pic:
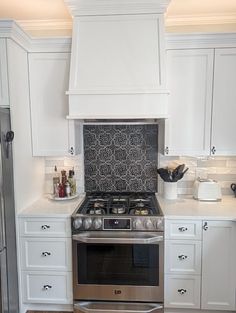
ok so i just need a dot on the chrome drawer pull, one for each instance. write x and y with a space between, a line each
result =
47 287
182 229
43 227
182 291
46 253
182 257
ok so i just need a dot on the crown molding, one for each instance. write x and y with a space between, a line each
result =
207 19
10 29
105 7
200 40
56 24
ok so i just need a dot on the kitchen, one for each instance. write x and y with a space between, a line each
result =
195 130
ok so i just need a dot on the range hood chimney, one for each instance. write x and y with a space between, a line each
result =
118 59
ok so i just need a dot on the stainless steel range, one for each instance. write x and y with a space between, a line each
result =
118 253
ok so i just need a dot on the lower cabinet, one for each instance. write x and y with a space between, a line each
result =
46 261
219 265
200 274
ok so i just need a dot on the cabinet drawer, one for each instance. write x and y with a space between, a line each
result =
183 257
45 287
46 254
176 229
45 227
182 291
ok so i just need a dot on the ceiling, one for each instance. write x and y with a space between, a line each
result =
51 17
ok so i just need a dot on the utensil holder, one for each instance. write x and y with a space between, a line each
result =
170 190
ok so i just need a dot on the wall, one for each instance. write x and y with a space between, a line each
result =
222 169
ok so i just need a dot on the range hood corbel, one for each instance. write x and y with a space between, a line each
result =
118 59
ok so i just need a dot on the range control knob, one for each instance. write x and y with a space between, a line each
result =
87 223
77 223
137 224
148 224
159 224
97 223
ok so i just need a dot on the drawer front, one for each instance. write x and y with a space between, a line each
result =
46 254
46 287
183 257
182 291
176 229
45 227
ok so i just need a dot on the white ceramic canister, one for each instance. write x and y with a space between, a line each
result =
170 190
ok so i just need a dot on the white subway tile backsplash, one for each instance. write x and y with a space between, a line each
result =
222 169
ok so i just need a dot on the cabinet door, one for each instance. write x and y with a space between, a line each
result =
4 96
224 103
189 80
218 266
49 77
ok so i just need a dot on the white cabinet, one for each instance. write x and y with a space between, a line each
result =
49 79
4 93
189 80
46 261
218 265
224 103
182 263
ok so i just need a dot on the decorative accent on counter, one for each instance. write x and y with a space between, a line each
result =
63 187
170 177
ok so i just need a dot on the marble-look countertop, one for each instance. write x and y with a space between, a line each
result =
185 207
51 208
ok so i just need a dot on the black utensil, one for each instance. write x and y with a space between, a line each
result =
233 187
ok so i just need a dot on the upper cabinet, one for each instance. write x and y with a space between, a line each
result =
49 78
202 106
4 93
189 79
224 103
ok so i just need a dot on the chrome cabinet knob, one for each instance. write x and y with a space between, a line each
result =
213 150
44 227
47 287
182 291
205 226
46 253
71 151
182 257
182 229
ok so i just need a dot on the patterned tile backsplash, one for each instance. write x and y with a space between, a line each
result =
120 157
222 169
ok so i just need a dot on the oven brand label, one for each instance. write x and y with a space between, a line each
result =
117 291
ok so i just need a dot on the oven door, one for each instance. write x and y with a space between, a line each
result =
120 266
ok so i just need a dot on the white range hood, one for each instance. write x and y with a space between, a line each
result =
118 59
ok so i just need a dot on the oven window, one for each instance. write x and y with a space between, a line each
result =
119 264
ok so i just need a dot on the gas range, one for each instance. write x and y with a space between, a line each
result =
118 211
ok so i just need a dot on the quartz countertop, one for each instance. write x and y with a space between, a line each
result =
185 207
46 207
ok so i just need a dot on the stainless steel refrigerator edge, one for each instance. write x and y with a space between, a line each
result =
8 257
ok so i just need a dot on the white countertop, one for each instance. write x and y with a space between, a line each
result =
51 208
188 208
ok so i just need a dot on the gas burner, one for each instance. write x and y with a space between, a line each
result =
96 211
141 211
98 205
140 200
118 210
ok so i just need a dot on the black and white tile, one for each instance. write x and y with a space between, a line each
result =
120 157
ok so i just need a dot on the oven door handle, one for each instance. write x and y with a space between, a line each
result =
117 307
119 238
